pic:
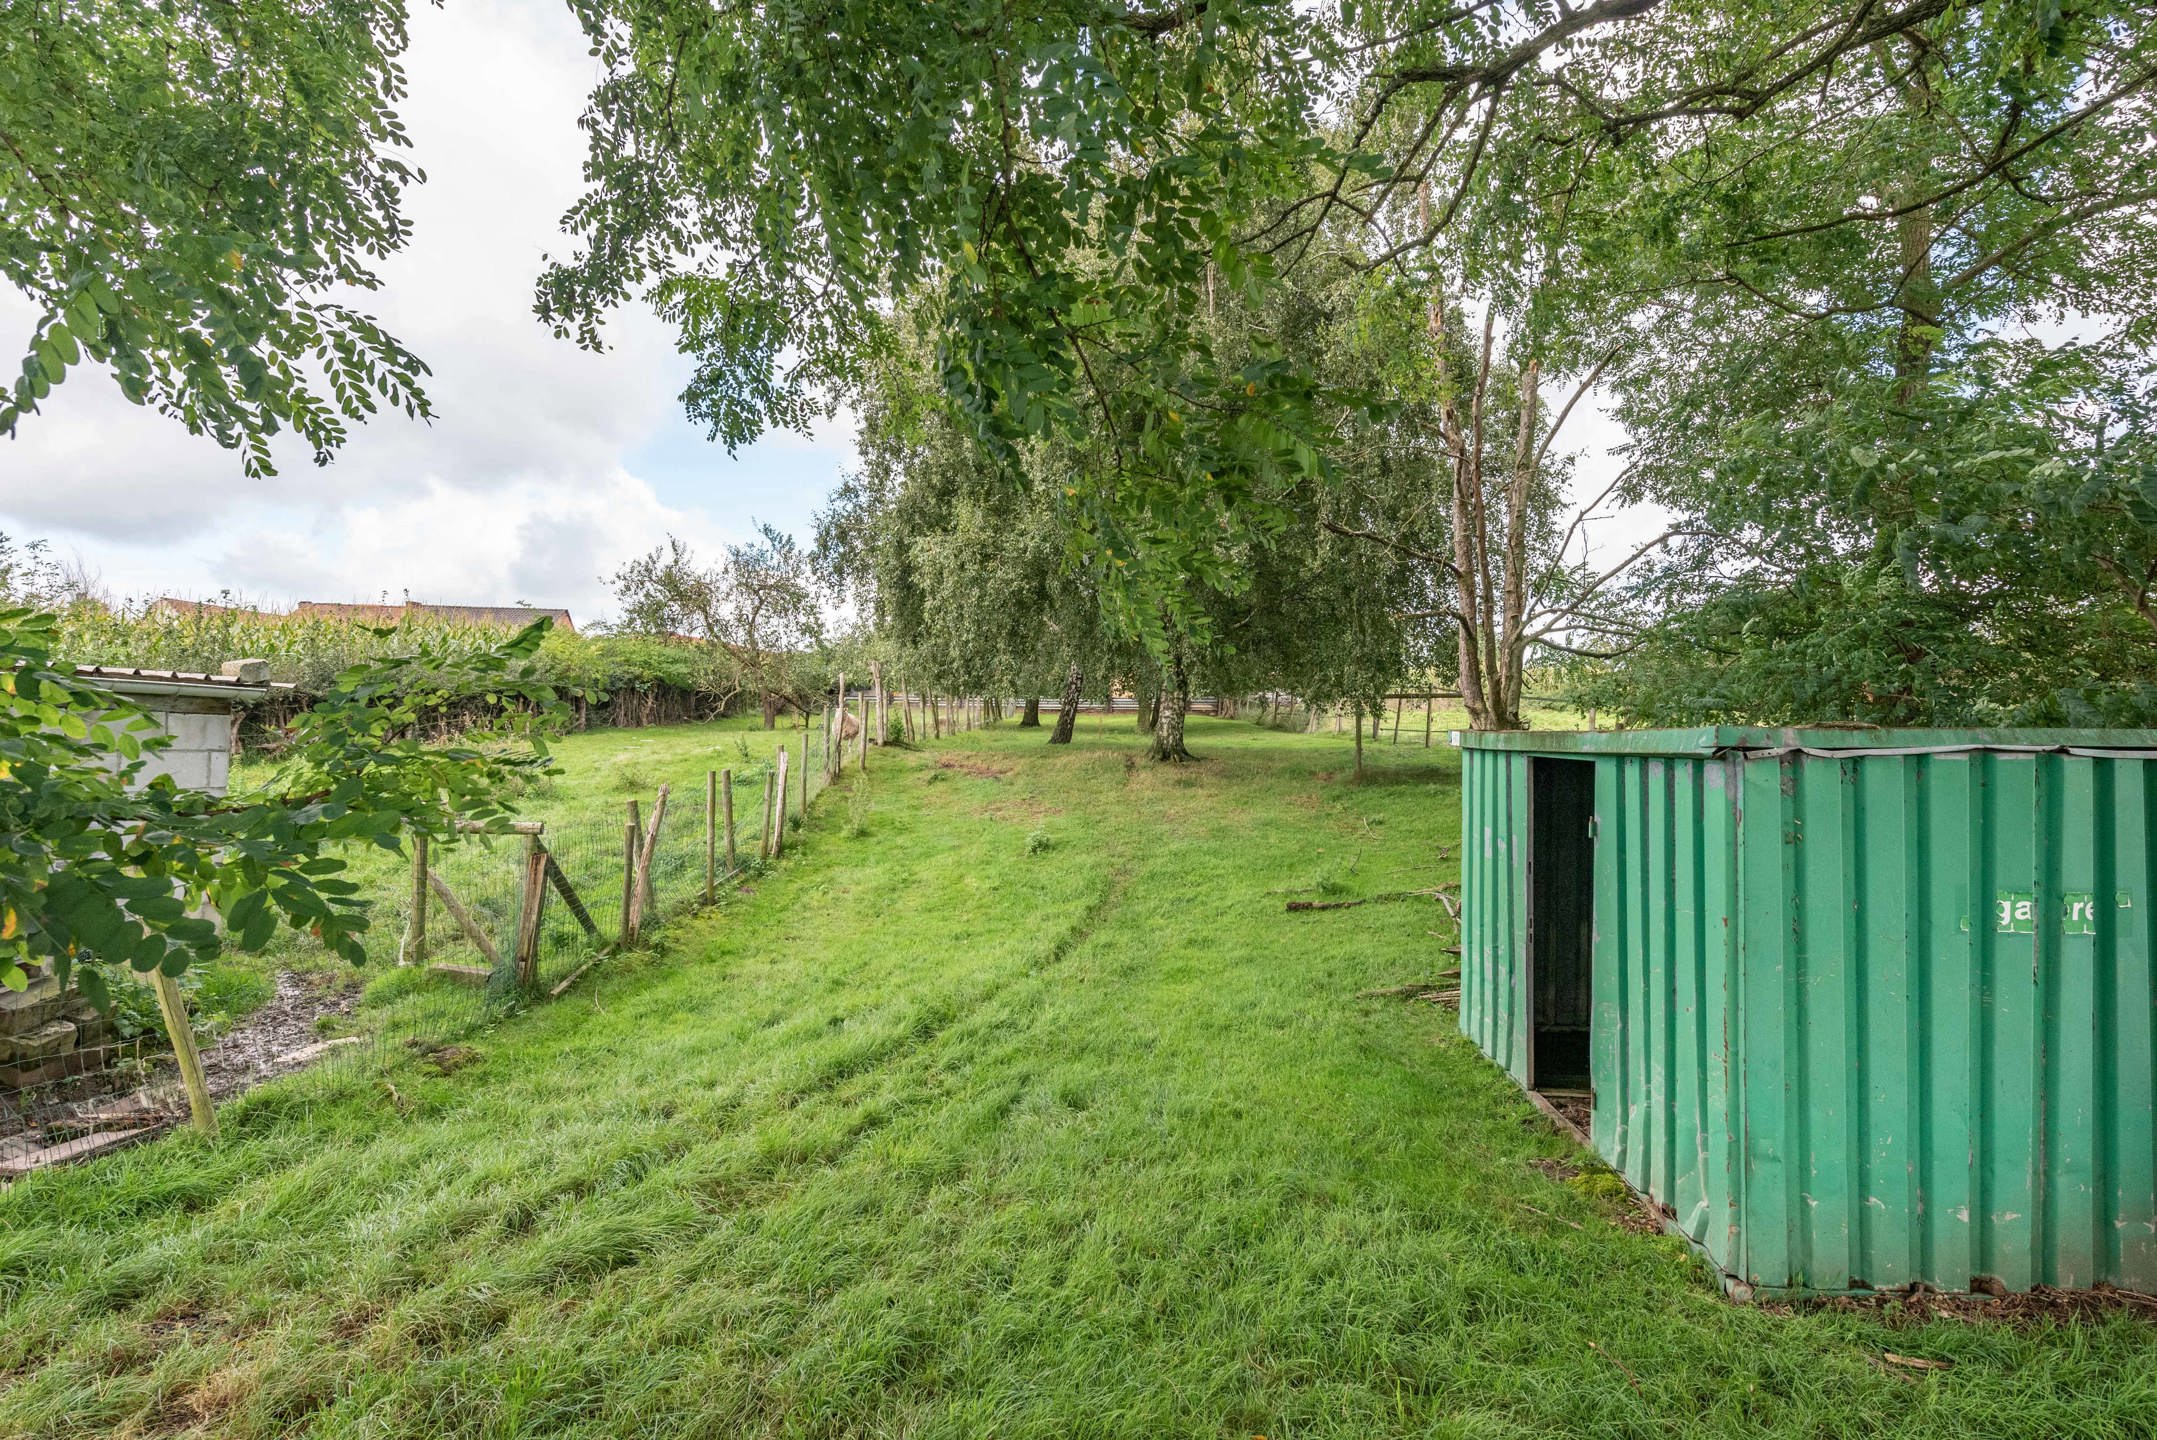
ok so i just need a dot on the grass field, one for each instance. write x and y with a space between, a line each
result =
1012 1104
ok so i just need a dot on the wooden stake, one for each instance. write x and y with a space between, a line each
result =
1429 704
876 683
804 778
629 879
863 757
569 895
778 824
711 835
201 1114
763 841
532 906
415 930
471 927
644 860
726 810
1398 701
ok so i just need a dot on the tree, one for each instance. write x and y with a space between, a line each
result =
185 190
1063 183
759 603
965 568
1897 377
99 875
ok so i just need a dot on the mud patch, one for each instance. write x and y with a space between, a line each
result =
280 1037
2025 1310
143 1092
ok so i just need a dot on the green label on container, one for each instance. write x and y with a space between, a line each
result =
2014 912
2078 913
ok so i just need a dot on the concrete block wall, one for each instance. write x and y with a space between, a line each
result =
200 757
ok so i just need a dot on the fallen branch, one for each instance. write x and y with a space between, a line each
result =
1548 1216
1630 1378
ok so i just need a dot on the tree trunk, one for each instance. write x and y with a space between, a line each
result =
771 711
1169 707
1067 713
1030 718
1359 739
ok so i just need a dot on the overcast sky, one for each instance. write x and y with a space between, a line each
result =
546 466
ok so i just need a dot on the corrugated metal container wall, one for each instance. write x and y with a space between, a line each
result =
1660 1056
1947 999
1494 909
1860 1019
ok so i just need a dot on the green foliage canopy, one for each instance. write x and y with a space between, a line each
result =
186 187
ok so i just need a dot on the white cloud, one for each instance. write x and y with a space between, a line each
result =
544 543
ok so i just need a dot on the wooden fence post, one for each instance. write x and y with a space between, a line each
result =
863 757
876 687
838 727
763 841
629 879
726 809
778 781
415 932
644 860
711 836
201 1114
805 776
1398 702
531 907
1429 704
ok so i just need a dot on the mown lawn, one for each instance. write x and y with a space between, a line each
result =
1025 1111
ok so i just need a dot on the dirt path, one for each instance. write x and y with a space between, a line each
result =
276 1039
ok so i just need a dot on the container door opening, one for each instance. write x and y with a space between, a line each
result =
1561 924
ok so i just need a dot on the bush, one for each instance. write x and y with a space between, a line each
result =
1038 842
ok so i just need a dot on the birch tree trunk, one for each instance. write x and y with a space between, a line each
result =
1169 708
1067 713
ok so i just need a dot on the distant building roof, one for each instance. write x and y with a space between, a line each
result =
171 606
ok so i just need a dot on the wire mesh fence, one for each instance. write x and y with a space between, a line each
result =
460 932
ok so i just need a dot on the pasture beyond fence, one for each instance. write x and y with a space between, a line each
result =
462 932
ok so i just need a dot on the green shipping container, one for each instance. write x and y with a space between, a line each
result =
1857 1008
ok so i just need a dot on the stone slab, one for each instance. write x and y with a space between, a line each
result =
26 1010
49 1041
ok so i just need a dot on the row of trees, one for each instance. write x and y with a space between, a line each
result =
1227 341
